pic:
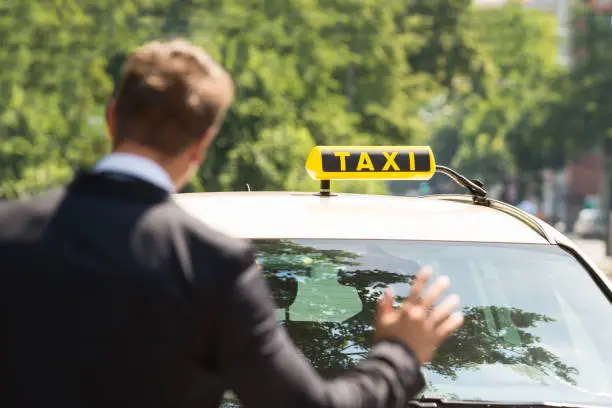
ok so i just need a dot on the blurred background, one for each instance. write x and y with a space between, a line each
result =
515 93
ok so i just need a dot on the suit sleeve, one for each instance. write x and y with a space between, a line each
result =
262 366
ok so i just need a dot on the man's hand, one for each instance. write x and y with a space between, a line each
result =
416 323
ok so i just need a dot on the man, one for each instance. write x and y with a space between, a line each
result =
114 297
529 205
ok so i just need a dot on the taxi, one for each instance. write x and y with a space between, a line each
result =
538 312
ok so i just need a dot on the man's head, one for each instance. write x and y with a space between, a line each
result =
169 104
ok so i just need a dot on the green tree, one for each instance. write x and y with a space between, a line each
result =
52 83
340 70
582 118
288 95
489 134
450 50
337 72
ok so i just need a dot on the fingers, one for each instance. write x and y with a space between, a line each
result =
385 303
419 284
433 294
443 311
448 326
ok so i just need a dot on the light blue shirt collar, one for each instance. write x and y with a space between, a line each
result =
136 166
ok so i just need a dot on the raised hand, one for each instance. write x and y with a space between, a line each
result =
416 322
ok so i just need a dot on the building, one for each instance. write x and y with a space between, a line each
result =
582 178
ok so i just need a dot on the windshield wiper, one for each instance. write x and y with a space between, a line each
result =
435 402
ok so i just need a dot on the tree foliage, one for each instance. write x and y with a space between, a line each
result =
307 73
582 117
481 85
490 134
54 58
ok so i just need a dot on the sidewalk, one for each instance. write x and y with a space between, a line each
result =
596 250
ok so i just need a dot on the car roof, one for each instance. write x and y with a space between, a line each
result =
269 215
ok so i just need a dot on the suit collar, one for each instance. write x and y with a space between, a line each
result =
119 186
135 166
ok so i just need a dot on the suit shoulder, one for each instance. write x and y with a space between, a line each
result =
28 216
36 204
213 243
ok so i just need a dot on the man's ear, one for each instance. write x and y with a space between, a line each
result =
110 117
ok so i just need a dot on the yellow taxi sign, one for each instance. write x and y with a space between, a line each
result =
371 162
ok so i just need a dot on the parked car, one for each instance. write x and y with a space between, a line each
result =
590 224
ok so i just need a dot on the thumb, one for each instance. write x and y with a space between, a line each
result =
385 304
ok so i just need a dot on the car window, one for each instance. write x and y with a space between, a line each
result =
537 326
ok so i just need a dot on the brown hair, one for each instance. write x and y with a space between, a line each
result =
170 93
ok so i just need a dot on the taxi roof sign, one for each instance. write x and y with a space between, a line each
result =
371 163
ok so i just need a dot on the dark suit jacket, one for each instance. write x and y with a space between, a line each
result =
112 296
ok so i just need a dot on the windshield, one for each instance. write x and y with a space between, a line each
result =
537 326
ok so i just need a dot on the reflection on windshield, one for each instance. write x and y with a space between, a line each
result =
537 327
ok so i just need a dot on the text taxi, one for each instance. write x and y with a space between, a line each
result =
538 312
